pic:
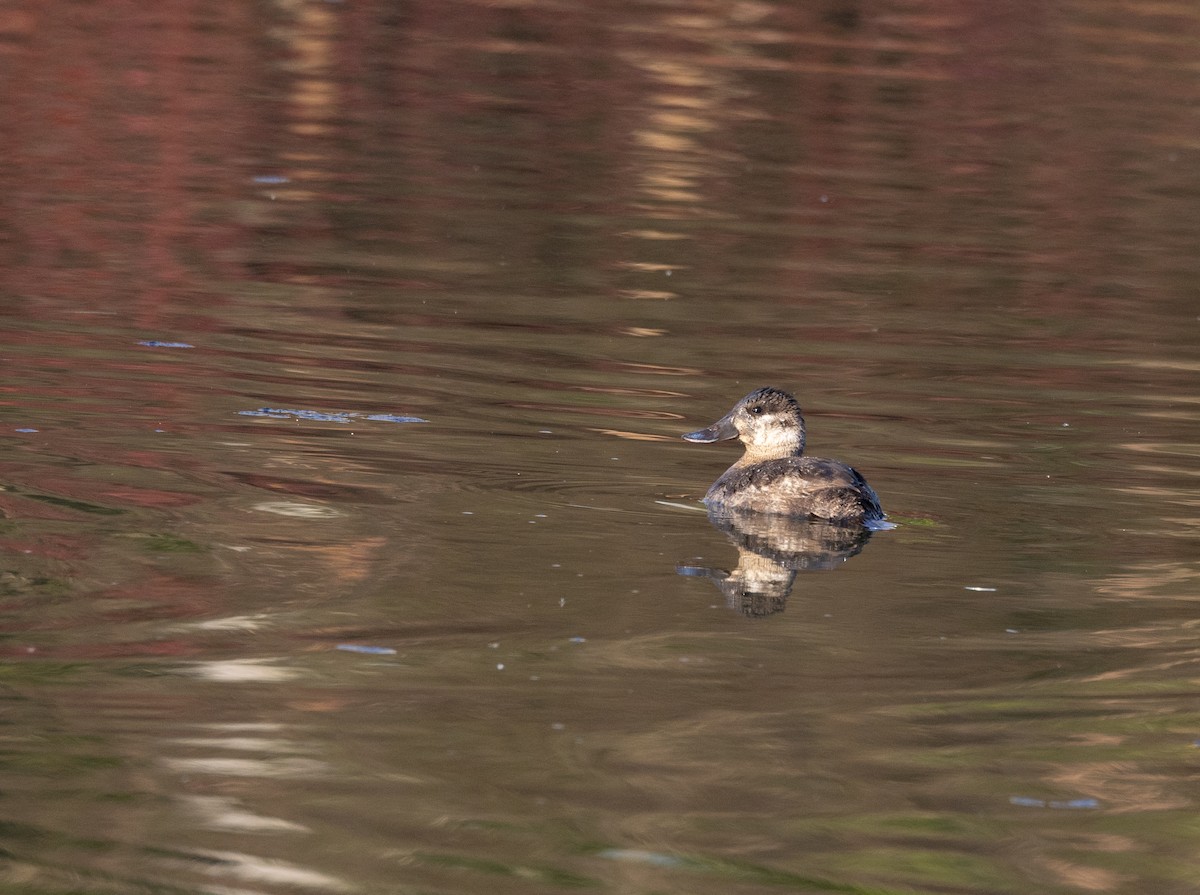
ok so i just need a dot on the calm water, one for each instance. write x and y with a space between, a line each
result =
504 650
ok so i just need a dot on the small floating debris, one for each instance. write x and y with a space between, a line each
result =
320 416
986 590
364 648
155 343
1060 805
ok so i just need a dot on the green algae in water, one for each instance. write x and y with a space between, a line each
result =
163 543
78 505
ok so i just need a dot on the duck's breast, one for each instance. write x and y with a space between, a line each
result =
797 486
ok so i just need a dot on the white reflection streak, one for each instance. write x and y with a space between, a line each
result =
247 767
218 813
251 869
259 671
296 510
242 726
242 744
232 623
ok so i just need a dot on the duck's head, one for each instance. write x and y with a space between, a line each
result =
768 422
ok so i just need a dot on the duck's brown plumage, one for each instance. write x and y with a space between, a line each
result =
774 476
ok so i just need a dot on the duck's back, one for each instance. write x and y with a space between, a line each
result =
797 486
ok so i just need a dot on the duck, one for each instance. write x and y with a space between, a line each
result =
774 476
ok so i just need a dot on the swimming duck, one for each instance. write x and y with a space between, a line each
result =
774 476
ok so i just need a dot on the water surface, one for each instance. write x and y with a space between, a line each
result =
333 649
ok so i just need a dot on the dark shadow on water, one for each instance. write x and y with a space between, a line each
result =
771 550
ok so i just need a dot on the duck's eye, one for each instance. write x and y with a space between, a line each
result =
756 409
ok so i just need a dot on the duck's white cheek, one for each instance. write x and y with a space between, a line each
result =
775 435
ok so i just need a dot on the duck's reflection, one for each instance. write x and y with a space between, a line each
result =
771 549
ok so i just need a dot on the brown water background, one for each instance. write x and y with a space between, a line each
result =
319 652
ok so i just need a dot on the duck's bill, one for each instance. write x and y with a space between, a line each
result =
721 430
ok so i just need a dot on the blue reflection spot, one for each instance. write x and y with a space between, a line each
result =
393 418
314 415
1027 802
264 412
26 430
333 417
1059 805
641 856
369 650
154 343
272 179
